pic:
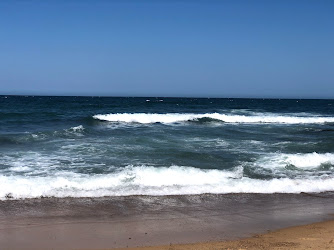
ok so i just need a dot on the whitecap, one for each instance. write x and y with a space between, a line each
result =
148 180
302 161
169 118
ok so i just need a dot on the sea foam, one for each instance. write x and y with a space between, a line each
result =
228 118
301 161
148 180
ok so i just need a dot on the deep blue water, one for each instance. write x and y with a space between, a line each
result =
97 146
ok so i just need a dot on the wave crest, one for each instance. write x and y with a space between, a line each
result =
300 161
146 180
168 118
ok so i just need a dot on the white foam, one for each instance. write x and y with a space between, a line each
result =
310 160
77 128
228 118
145 180
34 164
20 169
147 118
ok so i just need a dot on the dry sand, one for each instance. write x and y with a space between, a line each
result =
312 236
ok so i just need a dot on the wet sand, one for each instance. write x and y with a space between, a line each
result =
119 222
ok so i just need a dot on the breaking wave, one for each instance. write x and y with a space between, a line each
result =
168 118
301 161
148 180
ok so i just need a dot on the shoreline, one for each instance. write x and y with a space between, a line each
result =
141 221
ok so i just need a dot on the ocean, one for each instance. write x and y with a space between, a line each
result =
108 146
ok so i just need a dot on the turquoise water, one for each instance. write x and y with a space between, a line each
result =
100 146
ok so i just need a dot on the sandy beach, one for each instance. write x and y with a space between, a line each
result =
313 236
141 221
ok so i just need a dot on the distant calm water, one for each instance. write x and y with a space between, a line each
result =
97 146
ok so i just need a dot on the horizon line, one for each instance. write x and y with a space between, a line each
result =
183 97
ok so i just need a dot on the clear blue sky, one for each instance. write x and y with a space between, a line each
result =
282 48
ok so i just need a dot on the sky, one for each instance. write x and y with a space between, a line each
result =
212 48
